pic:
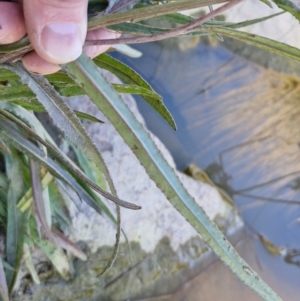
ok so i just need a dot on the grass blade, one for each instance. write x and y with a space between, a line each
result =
38 201
15 219
289 6
178 18
252 22
137 28
87 117
3 283
145 93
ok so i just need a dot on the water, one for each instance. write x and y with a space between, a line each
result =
239 122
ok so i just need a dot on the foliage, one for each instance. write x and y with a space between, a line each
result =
32 207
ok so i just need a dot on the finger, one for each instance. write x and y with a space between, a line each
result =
12 24
99 34
56 28
34 63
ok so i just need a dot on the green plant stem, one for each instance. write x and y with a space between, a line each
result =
168 34
143 13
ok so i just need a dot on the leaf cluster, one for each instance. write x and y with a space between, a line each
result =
36 171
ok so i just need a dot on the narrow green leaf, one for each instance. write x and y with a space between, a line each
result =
73 90
86 74
21 92
59 77
129 76
39 108
15 219
178 18
267 2
68 90
29 106
88 117
21 44
289 6
137 28
250 22
39 207
125 73
7 75
137 90
261 42
3 283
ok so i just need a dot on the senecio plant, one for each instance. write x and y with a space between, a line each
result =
35 169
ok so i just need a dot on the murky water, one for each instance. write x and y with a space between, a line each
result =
240 123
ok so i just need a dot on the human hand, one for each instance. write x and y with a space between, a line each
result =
57 30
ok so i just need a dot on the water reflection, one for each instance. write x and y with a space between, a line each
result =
239 123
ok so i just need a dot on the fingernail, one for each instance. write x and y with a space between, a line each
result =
62 42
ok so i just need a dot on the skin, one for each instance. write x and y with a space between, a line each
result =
57 30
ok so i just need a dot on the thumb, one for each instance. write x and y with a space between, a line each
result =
56 28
